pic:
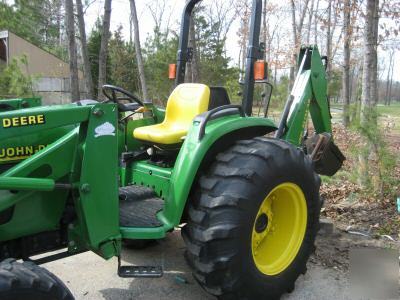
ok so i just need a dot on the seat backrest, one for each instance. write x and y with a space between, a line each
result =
186 102
219 97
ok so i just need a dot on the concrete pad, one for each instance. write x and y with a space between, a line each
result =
89 277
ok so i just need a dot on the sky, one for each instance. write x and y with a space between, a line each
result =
121 12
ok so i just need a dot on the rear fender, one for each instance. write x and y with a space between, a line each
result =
197 153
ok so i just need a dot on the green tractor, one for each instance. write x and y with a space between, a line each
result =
91 175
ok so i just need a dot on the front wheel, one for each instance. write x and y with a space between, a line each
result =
27 281
253 220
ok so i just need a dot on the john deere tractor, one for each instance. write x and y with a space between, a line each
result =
91 175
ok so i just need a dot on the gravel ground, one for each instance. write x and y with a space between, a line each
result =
90 277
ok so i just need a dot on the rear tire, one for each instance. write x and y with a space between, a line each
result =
224 212
27 281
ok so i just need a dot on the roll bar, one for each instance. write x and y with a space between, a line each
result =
182 56
255 50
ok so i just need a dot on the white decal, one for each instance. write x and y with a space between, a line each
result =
105 129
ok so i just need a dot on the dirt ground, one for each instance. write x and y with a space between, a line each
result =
358 209
90 278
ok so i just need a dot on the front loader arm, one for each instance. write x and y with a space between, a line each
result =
82 164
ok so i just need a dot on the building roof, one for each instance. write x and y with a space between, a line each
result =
40 61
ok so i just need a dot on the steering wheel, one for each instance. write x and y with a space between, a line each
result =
127 96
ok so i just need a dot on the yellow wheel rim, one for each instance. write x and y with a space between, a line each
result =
279 228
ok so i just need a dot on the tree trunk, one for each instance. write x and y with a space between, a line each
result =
73 57
368 72
388 78
265 29
104 48
346 61
316 25
329 41
85 54
138 50
391 81
295 42
296 31
370 42
193 45
374 77
310 15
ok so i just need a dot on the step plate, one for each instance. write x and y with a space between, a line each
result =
138 207
140 271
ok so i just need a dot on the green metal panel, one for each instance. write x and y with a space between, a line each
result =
38 211
40 119
319 106
158 178
299 111
20 147
176 183
309 92
98 202
87 158
26 184
21 103
153 176
192 154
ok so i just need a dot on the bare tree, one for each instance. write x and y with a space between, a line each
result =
370 41
73 57
85 54
104 48
374 77
296 32
243 31
316 24
346 61
329 40
389 78
138 50
192 71
310 16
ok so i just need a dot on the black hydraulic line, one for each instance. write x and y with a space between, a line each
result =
282 124
183 42
266 109
254 52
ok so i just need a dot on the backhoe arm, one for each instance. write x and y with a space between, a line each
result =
308 95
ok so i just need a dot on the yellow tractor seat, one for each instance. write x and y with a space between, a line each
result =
186 102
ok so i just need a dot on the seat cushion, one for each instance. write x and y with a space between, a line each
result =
163 133
185 103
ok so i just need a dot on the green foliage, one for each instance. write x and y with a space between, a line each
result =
335 83
14 82
379 176
214 65
93 44
123 69
280 93
215 69
37 21
160 50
